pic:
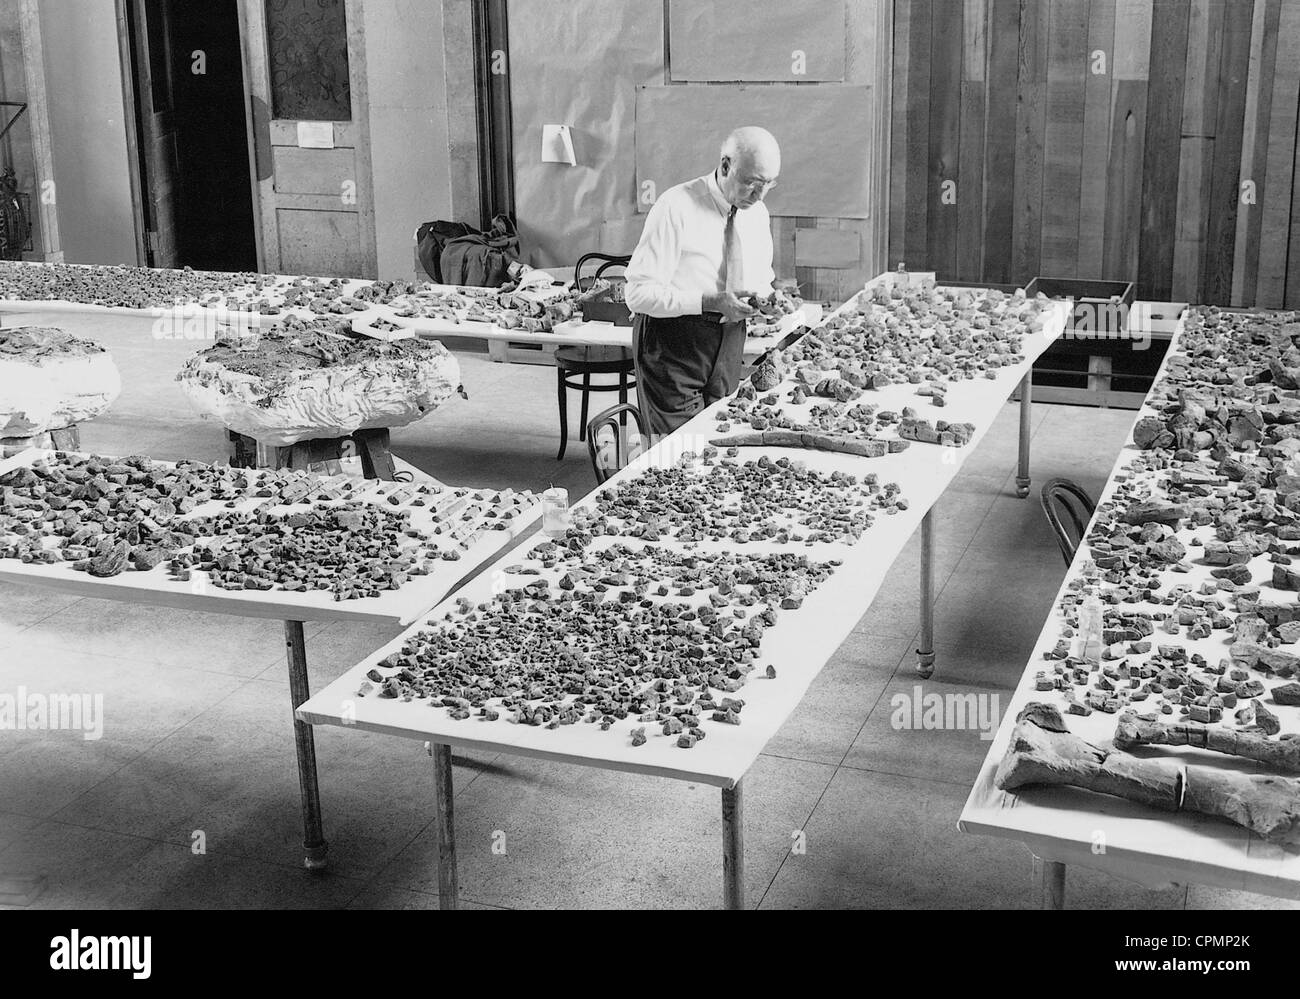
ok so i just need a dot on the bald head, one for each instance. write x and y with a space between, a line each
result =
749 165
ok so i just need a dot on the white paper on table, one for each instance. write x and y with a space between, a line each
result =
557 145
315 135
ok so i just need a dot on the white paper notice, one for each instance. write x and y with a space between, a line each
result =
315 135
557 145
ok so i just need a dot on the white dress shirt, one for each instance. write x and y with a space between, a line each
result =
679 257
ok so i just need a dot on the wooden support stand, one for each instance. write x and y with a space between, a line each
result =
63 439
371 446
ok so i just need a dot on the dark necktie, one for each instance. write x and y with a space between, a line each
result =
732 277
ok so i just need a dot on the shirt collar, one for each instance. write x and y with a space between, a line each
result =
719 201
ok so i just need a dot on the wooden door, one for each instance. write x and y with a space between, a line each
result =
158 130
306 80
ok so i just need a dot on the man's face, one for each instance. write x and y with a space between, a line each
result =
745 180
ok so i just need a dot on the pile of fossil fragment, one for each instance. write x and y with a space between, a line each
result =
1191 556
641 632
817 393
504 309
929 338
123 287
247 529
307 379
722 499
651 607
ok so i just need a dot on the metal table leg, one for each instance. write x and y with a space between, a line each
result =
448 878
313 839
1053 885
925 653
733 848
1026 410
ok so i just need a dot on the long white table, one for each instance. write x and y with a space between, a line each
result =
799 645
395 607
577 333
1067 826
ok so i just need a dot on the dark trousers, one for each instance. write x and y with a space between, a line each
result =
684 364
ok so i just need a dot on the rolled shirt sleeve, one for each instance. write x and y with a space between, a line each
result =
650 290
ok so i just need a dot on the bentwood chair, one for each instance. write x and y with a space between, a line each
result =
1062 500
574 366
612 451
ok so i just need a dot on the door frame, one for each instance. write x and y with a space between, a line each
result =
131 118
255 187
253 44
496 157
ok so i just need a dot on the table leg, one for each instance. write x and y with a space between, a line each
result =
376 459
448 878
925 653
313 839
1053 885
1026 411
733 848
66 439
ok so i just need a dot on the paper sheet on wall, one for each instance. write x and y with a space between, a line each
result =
557 145
315 135
770 40
824 132
580 63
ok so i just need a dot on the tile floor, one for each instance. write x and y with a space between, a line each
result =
199 749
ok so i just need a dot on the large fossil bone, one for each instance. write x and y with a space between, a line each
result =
1042 751
1283 755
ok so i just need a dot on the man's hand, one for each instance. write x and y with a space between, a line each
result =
730 305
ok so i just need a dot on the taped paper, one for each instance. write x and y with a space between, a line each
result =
315 135
556 51
557 145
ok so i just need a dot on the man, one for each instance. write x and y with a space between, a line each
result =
706 247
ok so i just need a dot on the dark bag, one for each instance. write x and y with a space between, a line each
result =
430 239
481 259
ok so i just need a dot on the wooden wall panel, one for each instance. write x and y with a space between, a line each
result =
1168 71
1001 132
1103 139
917 210
1031 82
942 194
1221 232
899 173
1096 136
1063 136
1275 199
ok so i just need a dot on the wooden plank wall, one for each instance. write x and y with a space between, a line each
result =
868 33
1145 140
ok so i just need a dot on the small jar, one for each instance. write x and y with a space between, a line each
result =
555 512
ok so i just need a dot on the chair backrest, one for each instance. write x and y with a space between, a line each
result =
1063 499
611 455
608 260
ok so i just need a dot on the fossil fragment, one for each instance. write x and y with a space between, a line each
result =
111 562
770 373
1268 806
816 442
1284 755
